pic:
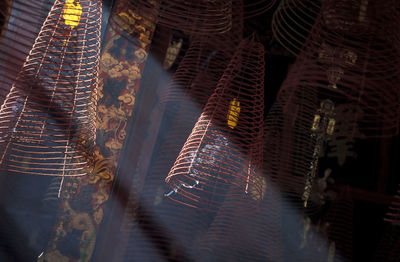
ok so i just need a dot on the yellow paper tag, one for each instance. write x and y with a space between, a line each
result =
72 13
233 114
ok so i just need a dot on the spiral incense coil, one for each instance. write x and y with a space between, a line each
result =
20 26
393 215
254 8
292 22
48 118
225 146
357 72
197 17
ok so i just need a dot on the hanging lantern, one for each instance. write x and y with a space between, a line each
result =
47 122
216 156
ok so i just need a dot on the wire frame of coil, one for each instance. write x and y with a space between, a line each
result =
253 8
292 22
193 17
225 146
48 118
21 22
393 215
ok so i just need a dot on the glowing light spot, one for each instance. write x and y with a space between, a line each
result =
233 113
72 13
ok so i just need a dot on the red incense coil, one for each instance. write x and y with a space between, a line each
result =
254 8
201 17
393 215
350 71
225 146
292 22
48 118
20 27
